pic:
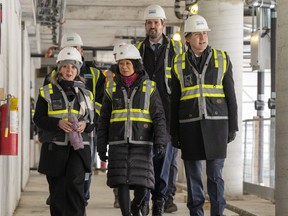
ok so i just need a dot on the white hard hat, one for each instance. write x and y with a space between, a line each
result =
71 40
117 46
154 12
196 23
127 51
69 55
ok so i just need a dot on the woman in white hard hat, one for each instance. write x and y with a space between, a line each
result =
204 120
132 123
65 113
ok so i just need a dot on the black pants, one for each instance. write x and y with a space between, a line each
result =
66 191
124 197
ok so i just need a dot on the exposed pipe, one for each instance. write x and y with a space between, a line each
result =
61 21
177 9
272 100
93 49
271 103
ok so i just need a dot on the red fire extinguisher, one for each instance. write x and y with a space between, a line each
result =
9 127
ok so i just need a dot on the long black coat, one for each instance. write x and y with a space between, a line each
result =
204 139
131 164
154 65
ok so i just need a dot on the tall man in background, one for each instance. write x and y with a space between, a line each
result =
157 52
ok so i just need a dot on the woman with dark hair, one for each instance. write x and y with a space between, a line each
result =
65 114
132 123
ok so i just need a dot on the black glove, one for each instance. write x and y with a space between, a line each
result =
159 151
231 136
102 156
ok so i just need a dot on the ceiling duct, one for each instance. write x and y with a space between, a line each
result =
261 3
48 15
186 12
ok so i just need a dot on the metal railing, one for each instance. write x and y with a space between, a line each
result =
259 157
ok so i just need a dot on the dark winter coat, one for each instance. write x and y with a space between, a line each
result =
131 163
204 139
154 65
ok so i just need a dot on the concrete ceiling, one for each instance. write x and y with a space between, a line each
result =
99 23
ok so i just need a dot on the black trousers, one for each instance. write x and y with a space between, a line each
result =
124 197
66 191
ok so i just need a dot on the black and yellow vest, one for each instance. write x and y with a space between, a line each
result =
130 120
60 107
202 96
94 77
177 47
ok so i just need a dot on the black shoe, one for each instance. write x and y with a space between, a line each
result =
135 209
145 208
48 200
158 206
170 206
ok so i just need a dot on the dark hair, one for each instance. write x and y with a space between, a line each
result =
137 64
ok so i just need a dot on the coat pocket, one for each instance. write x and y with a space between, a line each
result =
53 159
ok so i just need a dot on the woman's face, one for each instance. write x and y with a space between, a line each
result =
68 72
126 67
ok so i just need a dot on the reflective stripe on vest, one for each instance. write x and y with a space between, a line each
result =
177 48
46 92
95 77
130 114
109 75
202 90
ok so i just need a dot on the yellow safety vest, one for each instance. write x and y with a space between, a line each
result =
177 47
126 119
62 111
95 77
201 99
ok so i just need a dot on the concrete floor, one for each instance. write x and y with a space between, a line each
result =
34 196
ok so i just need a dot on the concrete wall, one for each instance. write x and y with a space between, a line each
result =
281 175
15 79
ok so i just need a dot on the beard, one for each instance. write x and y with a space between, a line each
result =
153 34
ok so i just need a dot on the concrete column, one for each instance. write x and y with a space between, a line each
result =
281 152
225 18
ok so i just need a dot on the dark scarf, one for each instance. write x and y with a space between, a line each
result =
68 87
72 89
129 80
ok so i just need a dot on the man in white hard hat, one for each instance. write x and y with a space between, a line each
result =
204 116
94 81
157 52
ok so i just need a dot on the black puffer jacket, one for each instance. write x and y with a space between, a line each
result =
129 163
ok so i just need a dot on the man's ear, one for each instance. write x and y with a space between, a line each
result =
81 51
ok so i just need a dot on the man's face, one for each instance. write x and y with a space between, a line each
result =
198 41
154 28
